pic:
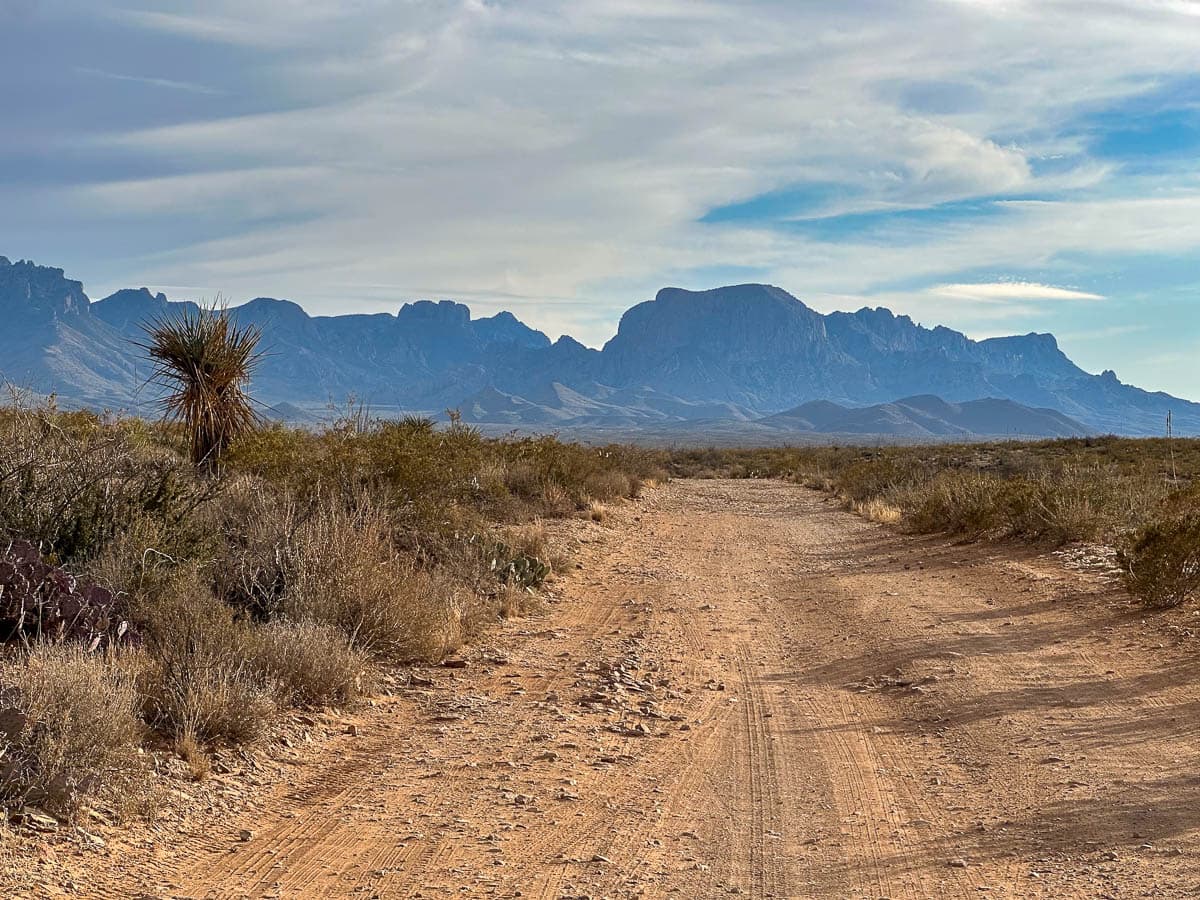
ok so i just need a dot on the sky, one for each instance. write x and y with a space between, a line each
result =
996 166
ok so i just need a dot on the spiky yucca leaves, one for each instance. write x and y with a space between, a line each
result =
205 360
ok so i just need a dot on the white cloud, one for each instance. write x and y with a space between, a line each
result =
549 156
1002 291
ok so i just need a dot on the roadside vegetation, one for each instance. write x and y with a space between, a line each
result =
174 585
1139 497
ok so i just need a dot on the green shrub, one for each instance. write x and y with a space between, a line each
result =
72 488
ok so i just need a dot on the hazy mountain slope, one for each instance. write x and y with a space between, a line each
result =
51 343
757 345
928 416
731 354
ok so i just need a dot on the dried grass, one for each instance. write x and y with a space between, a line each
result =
70 726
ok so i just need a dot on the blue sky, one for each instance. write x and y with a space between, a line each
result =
998 166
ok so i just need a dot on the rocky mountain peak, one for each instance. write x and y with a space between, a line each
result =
434 312
28 289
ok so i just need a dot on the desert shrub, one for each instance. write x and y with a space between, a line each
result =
260 531
522 480
139 561
1161 561
203 680
70 730
867 478
70 487
309 665
425 470
555 501
608 485
564 478
346 573
961 502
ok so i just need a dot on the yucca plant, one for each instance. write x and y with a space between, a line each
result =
204 360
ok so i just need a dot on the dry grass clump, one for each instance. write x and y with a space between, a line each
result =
192 752
555 500
346 573
879 510
219 701
1161 560
528 540
515 601
310 665
200 679
70 726
610 485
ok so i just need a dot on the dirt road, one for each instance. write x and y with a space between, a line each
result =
745 690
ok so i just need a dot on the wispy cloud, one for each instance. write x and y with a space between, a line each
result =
168 83
1003 291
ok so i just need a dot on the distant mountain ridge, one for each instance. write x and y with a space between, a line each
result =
928 416
742 353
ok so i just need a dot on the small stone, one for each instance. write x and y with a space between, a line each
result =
93 839
454 662
245 835
37 820
957 863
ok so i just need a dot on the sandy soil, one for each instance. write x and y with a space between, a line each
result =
745 690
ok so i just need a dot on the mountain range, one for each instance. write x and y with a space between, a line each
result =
747 355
